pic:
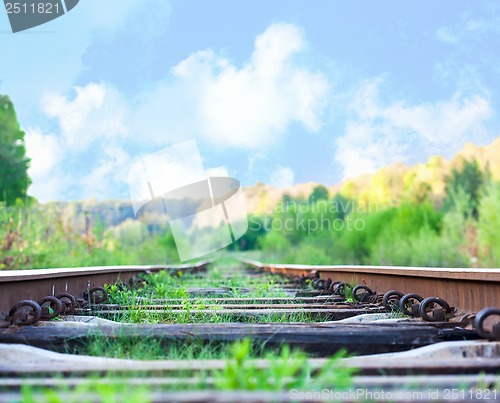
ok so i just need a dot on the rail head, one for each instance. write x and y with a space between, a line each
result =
469 290
467 274
28 288
39 274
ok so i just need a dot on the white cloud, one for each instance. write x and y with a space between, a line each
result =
207 97
467 29
46 153
51 188
444 35
244 107
365 148
59 56
110 170
218 171
50 180
97 111
282 177
378 134
204 97
44 150
483 26
441 123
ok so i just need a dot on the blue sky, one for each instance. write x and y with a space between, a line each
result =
281 92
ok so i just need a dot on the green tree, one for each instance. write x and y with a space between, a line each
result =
489 226
469 180
342 204
286 199
256 230
319 193
14 179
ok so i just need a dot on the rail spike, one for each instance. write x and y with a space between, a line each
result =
24 313
479 323
409 304
441 314
68 301
50 303
363 296
391 300
96 295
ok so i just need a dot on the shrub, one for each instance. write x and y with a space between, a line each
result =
489 227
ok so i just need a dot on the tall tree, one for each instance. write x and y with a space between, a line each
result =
319 193
469 180
14 179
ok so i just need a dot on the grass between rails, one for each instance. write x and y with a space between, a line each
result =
286 369
162 285
289 369
147 348
225 274
191 291
145 317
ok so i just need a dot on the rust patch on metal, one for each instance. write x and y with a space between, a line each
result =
17 285
469 290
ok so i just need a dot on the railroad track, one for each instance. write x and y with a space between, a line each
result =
427 330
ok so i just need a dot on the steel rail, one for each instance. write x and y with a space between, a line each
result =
467 289
17 285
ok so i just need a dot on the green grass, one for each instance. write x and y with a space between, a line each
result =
143 316
148 348
163 285
175 287
287 369
56 235
94 390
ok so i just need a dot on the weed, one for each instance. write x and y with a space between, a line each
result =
286 370
184 290
91 390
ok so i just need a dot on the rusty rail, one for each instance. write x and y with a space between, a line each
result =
18 285
469 290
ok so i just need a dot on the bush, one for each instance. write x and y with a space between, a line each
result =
41 237
489 227
426 249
